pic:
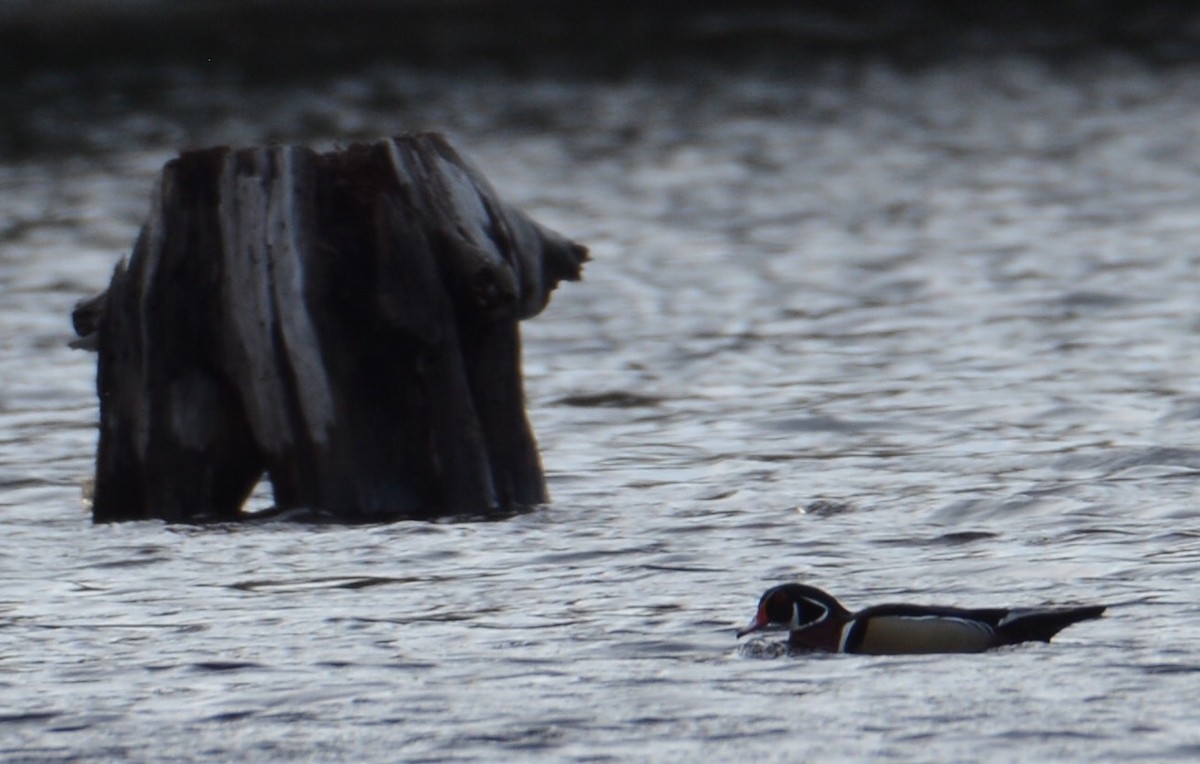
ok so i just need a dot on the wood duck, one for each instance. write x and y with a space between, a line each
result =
817 621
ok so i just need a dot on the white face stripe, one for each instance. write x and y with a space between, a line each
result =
795 625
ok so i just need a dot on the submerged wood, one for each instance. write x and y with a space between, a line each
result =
344 321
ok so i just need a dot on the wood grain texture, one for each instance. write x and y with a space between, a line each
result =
347 322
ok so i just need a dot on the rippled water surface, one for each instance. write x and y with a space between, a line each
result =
922 334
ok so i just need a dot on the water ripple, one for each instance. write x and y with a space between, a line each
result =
908 334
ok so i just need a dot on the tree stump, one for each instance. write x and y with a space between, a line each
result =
344 321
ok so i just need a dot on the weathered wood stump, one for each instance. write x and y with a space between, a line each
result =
345 321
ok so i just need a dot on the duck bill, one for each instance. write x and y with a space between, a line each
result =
756 623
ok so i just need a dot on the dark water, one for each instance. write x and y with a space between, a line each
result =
907 333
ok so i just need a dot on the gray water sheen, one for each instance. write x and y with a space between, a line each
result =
905 333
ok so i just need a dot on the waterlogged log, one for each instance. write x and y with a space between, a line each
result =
344 321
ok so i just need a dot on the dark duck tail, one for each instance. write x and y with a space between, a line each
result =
1040 625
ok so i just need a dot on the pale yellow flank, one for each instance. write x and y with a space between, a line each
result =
896 635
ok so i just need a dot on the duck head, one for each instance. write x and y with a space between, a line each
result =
794 607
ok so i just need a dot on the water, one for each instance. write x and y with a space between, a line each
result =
906 333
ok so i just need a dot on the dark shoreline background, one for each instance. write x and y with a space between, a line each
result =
271 38
71 71
599 36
